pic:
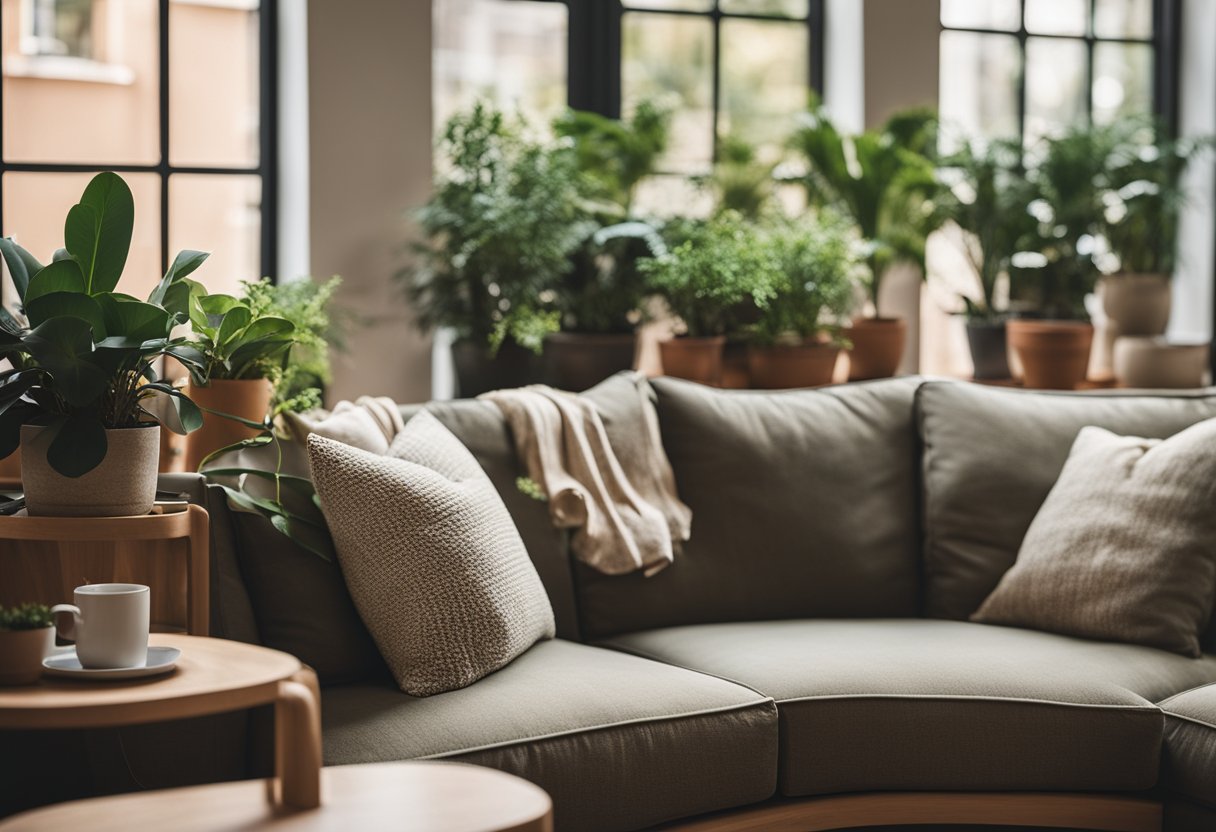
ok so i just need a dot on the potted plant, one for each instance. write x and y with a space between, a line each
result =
722 267
83 364
988 201
885 180
27 636
505 216
236 352
797 339
319 328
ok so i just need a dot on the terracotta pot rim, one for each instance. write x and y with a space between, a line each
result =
591 337
690 339
224 381
1049 325
885 320
805 346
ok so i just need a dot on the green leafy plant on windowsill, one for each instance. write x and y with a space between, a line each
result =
25 617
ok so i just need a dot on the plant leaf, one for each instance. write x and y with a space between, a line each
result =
60 276
79 445
21 265
253 442
11 421
130 318
235 320
64 346
185 263
67 305
98 231
189 416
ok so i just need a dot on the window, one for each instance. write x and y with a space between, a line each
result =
141 87
1032 67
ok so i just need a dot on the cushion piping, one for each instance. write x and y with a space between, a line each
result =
1172 697
1191 719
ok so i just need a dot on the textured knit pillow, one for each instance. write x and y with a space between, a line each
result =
1124 548
432 559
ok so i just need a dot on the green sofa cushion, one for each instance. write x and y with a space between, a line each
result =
618 742
1189 761
920 704
804 504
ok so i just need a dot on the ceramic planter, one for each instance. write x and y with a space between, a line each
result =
1054 354
246 398
1137 304
123 484
989 350
878 346
477 371
784 366
575 361
695 359
1155 363
22 652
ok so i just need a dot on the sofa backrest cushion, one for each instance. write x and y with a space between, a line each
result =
804 504
991 456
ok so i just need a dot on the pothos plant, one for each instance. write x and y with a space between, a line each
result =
83 355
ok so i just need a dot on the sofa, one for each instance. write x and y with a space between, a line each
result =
806 662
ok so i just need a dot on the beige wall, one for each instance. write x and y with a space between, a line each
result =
370 150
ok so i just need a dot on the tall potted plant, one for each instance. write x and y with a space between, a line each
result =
988 201
722 266
885 180
797 340
505 216
83 364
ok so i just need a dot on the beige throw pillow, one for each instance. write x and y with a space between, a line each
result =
432 559
1124 547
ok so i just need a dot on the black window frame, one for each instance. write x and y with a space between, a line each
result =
266 169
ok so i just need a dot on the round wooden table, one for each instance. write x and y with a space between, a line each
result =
403 797
212 676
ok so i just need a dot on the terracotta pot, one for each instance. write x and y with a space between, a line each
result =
123 484
1137 304
1054 354
479 372
576 361
735 373
783 366
989 349
878 346
1157 364
695 359
246 398
21 654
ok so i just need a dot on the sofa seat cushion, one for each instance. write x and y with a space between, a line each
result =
942 705
1189 759
619 742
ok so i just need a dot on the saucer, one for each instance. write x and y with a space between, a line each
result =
66 665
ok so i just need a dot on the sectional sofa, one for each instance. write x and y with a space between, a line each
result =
806 663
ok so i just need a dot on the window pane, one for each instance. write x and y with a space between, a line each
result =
1123 81
213 91
787 8
1055 86
679 5
764 79
510 51
35 205
1057 17
60 106
222 215
1123 18
1005 15
979 85
669 58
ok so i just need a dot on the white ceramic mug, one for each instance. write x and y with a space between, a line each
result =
109 624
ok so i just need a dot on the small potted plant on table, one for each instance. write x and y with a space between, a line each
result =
27 636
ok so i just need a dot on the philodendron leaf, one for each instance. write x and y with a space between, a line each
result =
60 276
98 231
67 305
79 445
21 265
133 318
179 296
235 320
185 263
64 347
187 416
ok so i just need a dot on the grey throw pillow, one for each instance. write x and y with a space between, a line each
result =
432 559
1124 548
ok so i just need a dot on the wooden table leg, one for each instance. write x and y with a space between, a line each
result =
198 564
297 728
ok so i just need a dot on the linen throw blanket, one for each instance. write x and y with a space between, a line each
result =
623 521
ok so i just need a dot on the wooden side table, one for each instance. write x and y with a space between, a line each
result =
407 797
44 558
212 676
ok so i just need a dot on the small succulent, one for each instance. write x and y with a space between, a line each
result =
25 617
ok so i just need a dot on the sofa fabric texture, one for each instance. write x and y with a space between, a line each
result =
777 532
942 705
433 560
990 458
1189 759
1123 547
619 742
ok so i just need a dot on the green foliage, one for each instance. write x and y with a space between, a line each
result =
615 155
740 182
814 285
318 327
526 326
82 354
500 226
604 289
988 200
233 340
884 179
723 269
25 617
531 488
